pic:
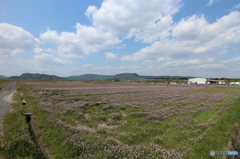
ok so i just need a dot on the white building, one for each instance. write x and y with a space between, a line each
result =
200 81
234 83
221 82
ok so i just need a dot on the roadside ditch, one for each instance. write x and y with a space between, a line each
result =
42 153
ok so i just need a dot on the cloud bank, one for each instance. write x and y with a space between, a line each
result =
14 40
85 40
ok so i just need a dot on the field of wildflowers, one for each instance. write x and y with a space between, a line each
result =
84 120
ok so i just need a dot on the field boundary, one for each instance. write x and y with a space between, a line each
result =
38 142
33 132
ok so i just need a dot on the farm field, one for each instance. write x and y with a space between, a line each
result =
99 120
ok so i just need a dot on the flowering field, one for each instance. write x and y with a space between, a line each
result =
129 121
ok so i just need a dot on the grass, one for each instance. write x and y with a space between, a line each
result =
210 90
205 116
219 134
16 141
51 136
228 99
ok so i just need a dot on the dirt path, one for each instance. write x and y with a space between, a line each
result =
6 94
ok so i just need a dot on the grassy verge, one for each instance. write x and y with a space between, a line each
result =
51 135
16 141
219 134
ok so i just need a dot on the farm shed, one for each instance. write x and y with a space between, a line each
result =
221 82
200 81
234 83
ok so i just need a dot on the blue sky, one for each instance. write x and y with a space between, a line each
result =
149 37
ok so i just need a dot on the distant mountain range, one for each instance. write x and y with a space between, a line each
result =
1 76
91 77
121 76
37 76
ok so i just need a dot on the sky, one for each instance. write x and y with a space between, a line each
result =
149 37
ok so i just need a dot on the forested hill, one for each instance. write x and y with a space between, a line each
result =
1 76
37 76
89 77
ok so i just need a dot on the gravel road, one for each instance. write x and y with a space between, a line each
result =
6 94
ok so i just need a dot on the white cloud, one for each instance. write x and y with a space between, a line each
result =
14 40
234 60
178 63
38 50
171 66
88 65
108 70
236 70
49 59
17 51
147 20
181 63
223 52
166 48
237 6
111 56
86 40
210 2
193 35
186 67
189 28
190 62
155 31
163 59
210 59
17 67
197 29
210 66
